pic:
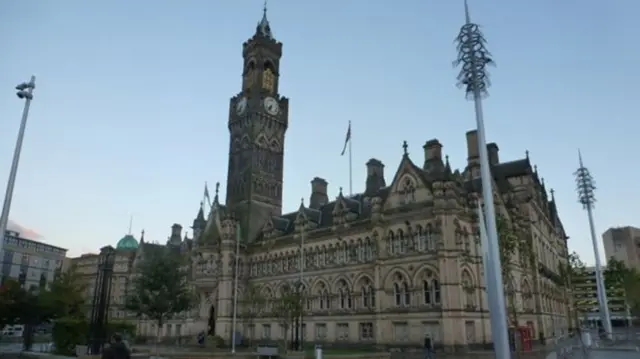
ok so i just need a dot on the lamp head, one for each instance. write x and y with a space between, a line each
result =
25 86
24 95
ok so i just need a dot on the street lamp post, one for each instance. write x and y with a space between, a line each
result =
474 57
586 196
25 91
101 298
301 287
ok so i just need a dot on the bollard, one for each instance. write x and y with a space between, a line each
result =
318 351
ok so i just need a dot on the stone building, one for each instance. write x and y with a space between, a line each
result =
623 244
30 262
86 267
395 263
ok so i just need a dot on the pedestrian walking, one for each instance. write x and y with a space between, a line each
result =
117 349
428 348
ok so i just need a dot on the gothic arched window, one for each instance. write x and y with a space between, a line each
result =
408 191
430 288
468 289
344 295
401 292
402 242
368 294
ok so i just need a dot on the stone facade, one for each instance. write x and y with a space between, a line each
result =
393 264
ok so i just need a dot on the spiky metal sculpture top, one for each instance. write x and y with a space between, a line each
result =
474 58
585 186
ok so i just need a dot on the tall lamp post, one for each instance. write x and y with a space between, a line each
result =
473 57
101 297
301 288
25 91
585 186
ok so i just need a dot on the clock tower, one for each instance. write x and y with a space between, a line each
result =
258 121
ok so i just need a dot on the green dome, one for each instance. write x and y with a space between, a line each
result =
127 242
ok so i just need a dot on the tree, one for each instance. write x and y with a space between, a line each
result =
288 307
571 272
65 296
254 306
10 297
160 289
509 245
623 282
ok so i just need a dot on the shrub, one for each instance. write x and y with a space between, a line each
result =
67 333
215 341
124 328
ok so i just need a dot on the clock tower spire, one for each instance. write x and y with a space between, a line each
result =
258 121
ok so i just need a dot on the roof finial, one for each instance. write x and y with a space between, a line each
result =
553 192
405 147
130 223
526 153
215 198
142 236
264 9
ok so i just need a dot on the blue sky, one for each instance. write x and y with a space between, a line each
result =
132 99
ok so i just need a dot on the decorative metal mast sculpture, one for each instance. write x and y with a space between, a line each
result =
473 57
585 186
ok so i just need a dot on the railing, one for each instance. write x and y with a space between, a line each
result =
572 346
580 345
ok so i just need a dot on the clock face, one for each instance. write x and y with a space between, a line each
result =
241 106
271 105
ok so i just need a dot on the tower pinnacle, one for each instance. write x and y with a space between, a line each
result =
263 28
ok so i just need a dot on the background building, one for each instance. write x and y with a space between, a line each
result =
623 243
585 292
86 266
31 262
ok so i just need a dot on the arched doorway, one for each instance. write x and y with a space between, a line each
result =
212 321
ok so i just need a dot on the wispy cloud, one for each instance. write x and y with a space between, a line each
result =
24 231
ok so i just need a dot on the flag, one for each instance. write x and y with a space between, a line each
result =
206 194
347 139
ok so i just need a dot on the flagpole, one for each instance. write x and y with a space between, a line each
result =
350 162
235 295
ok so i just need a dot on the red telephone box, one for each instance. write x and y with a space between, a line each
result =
525 338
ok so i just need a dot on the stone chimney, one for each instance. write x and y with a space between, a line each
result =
318 193
472 147
176 234
432 153
492 151
375 176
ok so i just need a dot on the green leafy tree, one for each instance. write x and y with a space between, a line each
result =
254 304
10 296
623 282
287 308
160 290
573 271
508 241
65 296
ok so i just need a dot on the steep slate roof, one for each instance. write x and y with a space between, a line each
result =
360 205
